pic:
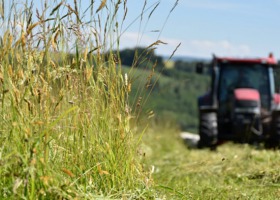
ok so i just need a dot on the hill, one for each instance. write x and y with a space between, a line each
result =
170 97
187 58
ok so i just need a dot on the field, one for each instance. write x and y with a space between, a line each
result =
232 172
77 124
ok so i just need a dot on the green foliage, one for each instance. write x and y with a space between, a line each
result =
185 66
172 96
139 57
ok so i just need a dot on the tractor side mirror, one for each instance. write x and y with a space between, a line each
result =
199 68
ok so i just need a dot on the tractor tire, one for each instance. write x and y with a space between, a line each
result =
208 130
274 141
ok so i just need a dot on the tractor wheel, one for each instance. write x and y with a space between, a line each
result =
208 130
274 141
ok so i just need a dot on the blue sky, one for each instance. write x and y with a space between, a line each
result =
243 28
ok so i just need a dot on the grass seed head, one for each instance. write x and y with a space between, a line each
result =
101 6
68 172
46 180
10 71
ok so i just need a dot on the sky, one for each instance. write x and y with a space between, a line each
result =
242 28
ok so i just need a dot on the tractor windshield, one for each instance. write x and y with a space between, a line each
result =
244 76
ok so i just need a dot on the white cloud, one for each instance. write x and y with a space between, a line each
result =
221 48
133 39
197 48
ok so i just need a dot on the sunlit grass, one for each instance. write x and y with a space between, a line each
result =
65 115
65 118
234 171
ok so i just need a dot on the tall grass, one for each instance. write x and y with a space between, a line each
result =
64 118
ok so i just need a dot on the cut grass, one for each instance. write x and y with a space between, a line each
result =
232 172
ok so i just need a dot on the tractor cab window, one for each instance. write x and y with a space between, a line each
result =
234 76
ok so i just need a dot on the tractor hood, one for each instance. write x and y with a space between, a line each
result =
243 94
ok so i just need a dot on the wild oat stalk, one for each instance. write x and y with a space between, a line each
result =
65 115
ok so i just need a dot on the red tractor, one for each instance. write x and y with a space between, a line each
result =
241 105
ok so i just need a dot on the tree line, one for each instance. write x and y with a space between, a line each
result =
144 58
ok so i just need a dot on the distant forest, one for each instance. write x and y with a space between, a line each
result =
147 59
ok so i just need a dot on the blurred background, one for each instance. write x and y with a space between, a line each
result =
191 31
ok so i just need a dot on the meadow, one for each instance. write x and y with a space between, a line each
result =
76 124
65 116
234 171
